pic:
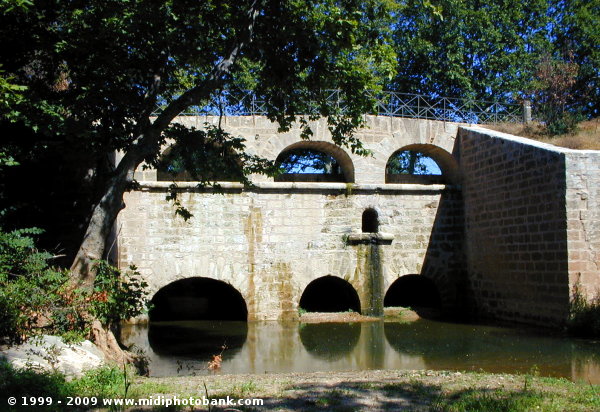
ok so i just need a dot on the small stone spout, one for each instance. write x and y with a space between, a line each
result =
370 269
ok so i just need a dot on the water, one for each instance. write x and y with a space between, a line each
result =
185 347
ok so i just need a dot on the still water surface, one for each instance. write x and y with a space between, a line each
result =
185 347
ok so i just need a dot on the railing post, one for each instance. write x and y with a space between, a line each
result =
526 111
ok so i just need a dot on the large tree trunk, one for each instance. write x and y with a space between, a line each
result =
93 246
100 225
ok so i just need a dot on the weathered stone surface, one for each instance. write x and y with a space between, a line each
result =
271 241
512 235
532 214
51 353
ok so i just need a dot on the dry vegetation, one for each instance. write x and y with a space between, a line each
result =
586 137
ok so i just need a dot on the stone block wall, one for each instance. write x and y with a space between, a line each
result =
583 221
272 241
531 225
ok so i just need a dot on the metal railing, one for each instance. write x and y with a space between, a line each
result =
394 104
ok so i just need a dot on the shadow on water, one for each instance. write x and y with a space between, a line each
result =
196 339
329 341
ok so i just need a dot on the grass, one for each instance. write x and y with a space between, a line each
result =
336 392
105 382
586 137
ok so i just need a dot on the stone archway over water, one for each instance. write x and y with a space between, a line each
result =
198 298
330 294
415 291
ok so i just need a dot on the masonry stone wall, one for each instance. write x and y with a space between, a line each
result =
271 241
583 221
531 225
510 236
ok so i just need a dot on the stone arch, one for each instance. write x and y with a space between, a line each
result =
415 291
185 176
198 298
330 294
341 157
445 160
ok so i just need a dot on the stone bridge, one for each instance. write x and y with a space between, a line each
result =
507 231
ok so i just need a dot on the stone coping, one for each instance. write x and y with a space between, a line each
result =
349 188
379 238
493 134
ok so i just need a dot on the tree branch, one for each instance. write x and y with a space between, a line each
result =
215 79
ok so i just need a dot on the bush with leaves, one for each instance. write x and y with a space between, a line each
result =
117 296
554 83
36 298
30 290
584 314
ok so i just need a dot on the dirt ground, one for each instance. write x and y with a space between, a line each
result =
381 390
391 313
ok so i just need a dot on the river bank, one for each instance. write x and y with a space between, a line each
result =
375 390
381 390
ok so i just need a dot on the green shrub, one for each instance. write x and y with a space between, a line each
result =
584 316
563 123
36 298
117 296
32 294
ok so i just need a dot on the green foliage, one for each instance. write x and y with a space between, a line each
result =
36 298
95 72
117 296
584 316
309 161
31 292
412 163
576 33
493 401
554 92
469 48
209 155
30 382
103 382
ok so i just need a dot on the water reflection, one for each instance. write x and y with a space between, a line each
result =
196 339
329 340
260 347
491 349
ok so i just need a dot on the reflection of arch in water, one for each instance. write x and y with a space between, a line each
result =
329 341
198 299
329 294
197 339
342 168
414 291
437 165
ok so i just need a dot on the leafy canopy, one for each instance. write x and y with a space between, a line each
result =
95 71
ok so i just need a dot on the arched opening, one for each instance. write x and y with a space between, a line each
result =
414 291
200 158
421 164
370 221
330 294
198 299
311 161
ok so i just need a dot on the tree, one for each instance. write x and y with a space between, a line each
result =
553 94
96 71
477 49
576 34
